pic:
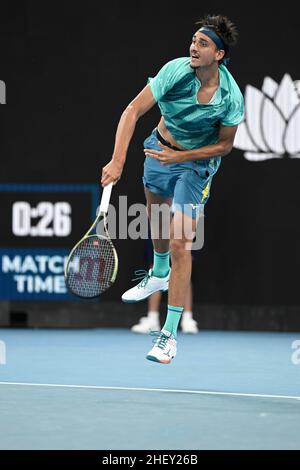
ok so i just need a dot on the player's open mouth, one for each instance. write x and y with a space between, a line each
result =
194 57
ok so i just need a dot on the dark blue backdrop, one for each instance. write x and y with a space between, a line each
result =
70 68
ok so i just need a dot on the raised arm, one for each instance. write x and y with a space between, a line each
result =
140 105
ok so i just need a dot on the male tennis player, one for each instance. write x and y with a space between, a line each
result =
201 106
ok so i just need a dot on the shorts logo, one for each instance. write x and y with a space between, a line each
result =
205 193
272 121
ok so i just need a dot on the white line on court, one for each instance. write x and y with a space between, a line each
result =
138 389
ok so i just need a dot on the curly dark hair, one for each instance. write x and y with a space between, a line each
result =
223 27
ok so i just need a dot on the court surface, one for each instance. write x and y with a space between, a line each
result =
94 389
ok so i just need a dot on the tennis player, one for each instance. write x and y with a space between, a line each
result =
201 107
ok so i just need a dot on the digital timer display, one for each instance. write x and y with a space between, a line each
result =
47 219
39 226
50 216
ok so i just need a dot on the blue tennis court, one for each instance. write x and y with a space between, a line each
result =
94 389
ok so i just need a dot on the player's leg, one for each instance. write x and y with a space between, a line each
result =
188 304
183 229
188 323
157 278
188 197
159 213
159 185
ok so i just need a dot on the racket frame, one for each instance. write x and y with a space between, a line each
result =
101 216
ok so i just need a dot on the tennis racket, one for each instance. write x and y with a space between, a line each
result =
92 265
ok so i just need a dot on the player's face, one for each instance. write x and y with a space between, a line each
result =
203 51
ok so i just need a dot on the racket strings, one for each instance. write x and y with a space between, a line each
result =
91 267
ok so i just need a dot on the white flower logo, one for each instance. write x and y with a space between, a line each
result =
271 128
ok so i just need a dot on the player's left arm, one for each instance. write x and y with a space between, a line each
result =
221 148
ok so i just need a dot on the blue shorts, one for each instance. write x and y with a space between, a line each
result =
187 183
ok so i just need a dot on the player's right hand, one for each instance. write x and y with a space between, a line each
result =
111 173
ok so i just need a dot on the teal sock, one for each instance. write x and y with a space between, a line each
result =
173 319
161 264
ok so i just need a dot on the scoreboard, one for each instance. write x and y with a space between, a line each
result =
40 223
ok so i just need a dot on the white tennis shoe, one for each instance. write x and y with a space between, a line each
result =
148 285
164 349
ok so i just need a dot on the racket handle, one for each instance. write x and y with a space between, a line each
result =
105 198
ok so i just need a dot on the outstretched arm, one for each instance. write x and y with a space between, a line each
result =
140 105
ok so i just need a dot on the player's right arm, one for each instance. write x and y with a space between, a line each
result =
140 105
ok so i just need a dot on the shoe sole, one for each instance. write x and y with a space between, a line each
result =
144 298
154 359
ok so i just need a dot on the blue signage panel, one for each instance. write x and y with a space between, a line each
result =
40 224
33 273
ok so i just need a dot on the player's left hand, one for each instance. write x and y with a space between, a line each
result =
166 156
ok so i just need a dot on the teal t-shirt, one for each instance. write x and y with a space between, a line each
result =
192 124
